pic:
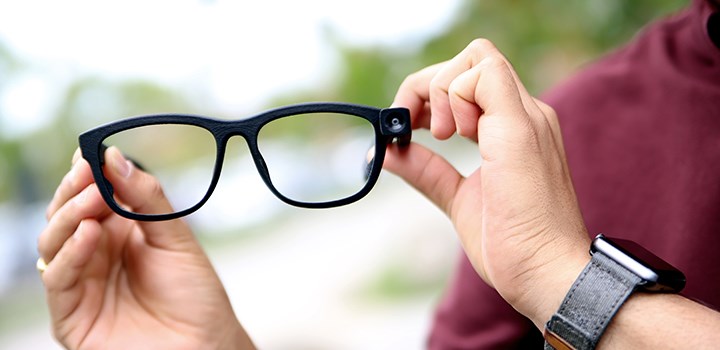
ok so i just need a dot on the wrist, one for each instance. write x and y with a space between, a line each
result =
617 268
551 282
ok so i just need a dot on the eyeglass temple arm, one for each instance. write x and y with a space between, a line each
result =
104 147
404 140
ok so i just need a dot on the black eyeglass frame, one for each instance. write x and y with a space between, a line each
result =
389 124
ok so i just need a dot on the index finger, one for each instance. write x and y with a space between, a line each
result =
414 95
78 178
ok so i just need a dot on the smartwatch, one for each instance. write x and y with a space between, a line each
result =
618 267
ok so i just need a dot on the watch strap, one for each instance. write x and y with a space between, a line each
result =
588 307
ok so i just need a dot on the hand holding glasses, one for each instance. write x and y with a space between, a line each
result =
312 155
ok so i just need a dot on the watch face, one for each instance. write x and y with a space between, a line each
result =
657 274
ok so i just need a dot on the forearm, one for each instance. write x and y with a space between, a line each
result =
656 321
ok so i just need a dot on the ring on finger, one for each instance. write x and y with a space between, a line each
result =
41 265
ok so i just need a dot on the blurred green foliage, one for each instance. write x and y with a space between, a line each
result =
34 164
546 41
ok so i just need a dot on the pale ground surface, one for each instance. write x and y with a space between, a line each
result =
302 287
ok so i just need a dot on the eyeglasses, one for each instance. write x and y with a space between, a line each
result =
312 155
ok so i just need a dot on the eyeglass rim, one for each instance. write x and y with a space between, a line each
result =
91 146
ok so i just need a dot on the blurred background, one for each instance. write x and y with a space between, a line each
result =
363 276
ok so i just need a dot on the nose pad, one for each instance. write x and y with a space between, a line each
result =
369 160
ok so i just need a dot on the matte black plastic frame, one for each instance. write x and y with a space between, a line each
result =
389 124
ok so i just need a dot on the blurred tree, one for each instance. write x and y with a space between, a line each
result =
8 149
34 165
92 101
545 40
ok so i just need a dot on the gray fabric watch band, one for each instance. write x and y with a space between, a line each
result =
588 307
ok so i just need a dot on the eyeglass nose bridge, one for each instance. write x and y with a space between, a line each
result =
247 130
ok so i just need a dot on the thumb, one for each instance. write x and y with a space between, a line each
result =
143 193
425 170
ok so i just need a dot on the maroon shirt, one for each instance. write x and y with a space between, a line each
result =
642 135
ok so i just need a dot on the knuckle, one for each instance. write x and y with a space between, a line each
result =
416 77
460 92
547 110
49 212
42 244
480 49
550 115
498 62
482 45
436 85
455 89
410 79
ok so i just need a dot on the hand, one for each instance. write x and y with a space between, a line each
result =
517 215
116 283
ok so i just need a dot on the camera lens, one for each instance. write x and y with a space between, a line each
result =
393 122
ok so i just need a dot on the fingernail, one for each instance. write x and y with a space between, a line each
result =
119 163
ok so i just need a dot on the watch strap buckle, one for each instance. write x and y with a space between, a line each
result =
571 335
